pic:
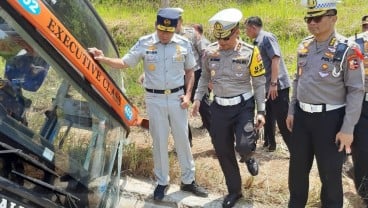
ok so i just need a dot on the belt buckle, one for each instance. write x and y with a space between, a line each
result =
166 92
314 108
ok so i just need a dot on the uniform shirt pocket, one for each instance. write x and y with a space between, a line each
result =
239 67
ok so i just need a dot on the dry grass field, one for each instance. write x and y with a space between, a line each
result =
269 188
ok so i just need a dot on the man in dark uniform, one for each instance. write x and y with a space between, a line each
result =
360 143
236 72
277 81
325 105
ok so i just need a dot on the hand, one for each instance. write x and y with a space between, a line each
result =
272 92
195 108
185 101
290 122
210 86
97 54
141 79
344 141
260 121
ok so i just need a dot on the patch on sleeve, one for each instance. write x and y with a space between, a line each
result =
353 62
358 53
256 67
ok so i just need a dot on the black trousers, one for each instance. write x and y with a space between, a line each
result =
276 111
360 154
229 124
314 137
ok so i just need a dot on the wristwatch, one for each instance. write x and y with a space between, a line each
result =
273 83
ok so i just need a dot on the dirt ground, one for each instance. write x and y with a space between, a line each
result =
268 189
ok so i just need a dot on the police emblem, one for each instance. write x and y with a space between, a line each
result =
167 22
218 26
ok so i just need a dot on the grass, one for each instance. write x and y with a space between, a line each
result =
129 20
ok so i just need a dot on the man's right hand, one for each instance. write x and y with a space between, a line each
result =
195 108
97 54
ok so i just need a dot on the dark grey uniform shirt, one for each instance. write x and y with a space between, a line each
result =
269 47
197 43
320 80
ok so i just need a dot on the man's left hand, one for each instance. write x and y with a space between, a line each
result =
343 141
185 101
272 92
260 119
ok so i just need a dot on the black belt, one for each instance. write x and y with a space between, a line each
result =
166 92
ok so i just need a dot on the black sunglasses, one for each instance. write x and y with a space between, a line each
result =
316 19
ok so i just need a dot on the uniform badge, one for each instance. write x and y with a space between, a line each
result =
332 49
151 47
238 72
324 67
353 62
329 55
213 73
303 51
332 42
323 74
167 22
151 67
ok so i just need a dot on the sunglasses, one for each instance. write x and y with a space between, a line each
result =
316 19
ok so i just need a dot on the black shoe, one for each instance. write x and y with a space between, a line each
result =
272 147
252 166
159 192
230 200
265 144
195 189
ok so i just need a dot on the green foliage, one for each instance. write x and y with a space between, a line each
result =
128 20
